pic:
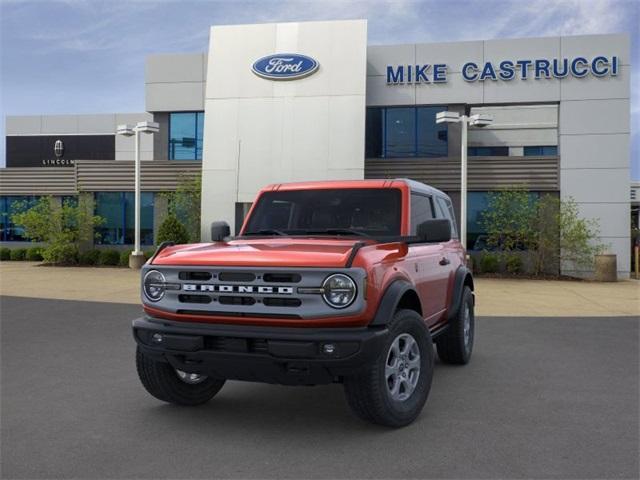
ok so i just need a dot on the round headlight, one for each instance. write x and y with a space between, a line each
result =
339 291
154 285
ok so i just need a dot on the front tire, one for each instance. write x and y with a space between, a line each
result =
456 344
393 390
173 386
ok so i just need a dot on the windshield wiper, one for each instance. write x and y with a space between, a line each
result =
338 231
267 231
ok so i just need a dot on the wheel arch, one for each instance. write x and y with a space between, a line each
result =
463 278
399 294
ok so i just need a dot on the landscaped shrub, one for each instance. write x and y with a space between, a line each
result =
61 227
489 263
34 254
513 263
90 257
171 230
109 257
148 254
61 254
18 254
5 253
124 258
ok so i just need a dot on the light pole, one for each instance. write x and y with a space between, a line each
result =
136 259
477 120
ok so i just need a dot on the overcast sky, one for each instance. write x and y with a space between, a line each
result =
77 56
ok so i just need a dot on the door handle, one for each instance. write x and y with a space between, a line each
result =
444 261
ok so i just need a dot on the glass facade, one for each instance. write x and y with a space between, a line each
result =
541 151
9 205
185 135
117 209
405 132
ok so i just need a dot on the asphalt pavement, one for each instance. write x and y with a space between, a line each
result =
541 398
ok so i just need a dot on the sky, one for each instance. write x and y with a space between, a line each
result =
87 56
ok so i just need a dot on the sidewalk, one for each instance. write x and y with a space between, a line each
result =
494 297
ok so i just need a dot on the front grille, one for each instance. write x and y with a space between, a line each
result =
282 277
196 276
215 313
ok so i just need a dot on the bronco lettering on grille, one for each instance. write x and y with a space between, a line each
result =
192 287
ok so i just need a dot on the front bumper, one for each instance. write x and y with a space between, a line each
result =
284 355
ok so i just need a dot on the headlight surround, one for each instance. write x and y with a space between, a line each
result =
153 285
339 290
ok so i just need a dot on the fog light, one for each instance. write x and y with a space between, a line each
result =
329 348
157 338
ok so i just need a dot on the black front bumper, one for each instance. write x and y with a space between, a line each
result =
289 356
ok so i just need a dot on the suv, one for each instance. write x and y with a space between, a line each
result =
328 282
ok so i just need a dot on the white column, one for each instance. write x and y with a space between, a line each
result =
136 248
463 182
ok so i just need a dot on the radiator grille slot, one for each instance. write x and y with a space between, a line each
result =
197 276
231 300
282 277
282 302
237 277
194 298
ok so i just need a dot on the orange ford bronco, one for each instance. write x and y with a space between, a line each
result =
350 282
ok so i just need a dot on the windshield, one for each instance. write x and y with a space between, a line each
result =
355 211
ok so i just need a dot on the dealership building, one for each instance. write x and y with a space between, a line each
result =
274 103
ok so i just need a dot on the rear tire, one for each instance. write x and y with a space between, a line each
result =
456 344
393 390
165 383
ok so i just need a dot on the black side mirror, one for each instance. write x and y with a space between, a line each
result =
219 231
435 230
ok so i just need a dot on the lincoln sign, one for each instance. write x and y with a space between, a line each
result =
506 70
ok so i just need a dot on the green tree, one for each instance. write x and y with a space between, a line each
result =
171 230
508 219
61 227
184 203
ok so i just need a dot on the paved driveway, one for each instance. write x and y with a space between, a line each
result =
542 397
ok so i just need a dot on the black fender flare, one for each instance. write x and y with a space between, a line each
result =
390 300
461 276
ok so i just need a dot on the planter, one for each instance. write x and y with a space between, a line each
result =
606 268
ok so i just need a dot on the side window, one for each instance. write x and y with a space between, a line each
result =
421 210
446 211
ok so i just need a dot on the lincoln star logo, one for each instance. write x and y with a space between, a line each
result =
58 148
285 66
192 287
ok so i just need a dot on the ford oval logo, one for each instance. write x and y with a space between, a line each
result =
285 66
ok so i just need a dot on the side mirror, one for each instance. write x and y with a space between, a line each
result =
219 230
435 230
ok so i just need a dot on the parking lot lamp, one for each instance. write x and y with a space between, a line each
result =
477 120
136 259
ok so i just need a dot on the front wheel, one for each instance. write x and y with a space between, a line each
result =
175 386
393 390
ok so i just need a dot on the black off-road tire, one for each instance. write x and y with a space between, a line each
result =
368 394
451 345
161 380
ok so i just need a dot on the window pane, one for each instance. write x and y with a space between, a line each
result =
400 130
541 151
488 151
146 218
421 210
199 134
369 211
477 202
109 206
432 137
447 209
9 206
373 133
183 136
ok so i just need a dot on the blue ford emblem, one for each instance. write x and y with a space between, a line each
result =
284 66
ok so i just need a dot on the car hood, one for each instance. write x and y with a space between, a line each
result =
270 252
